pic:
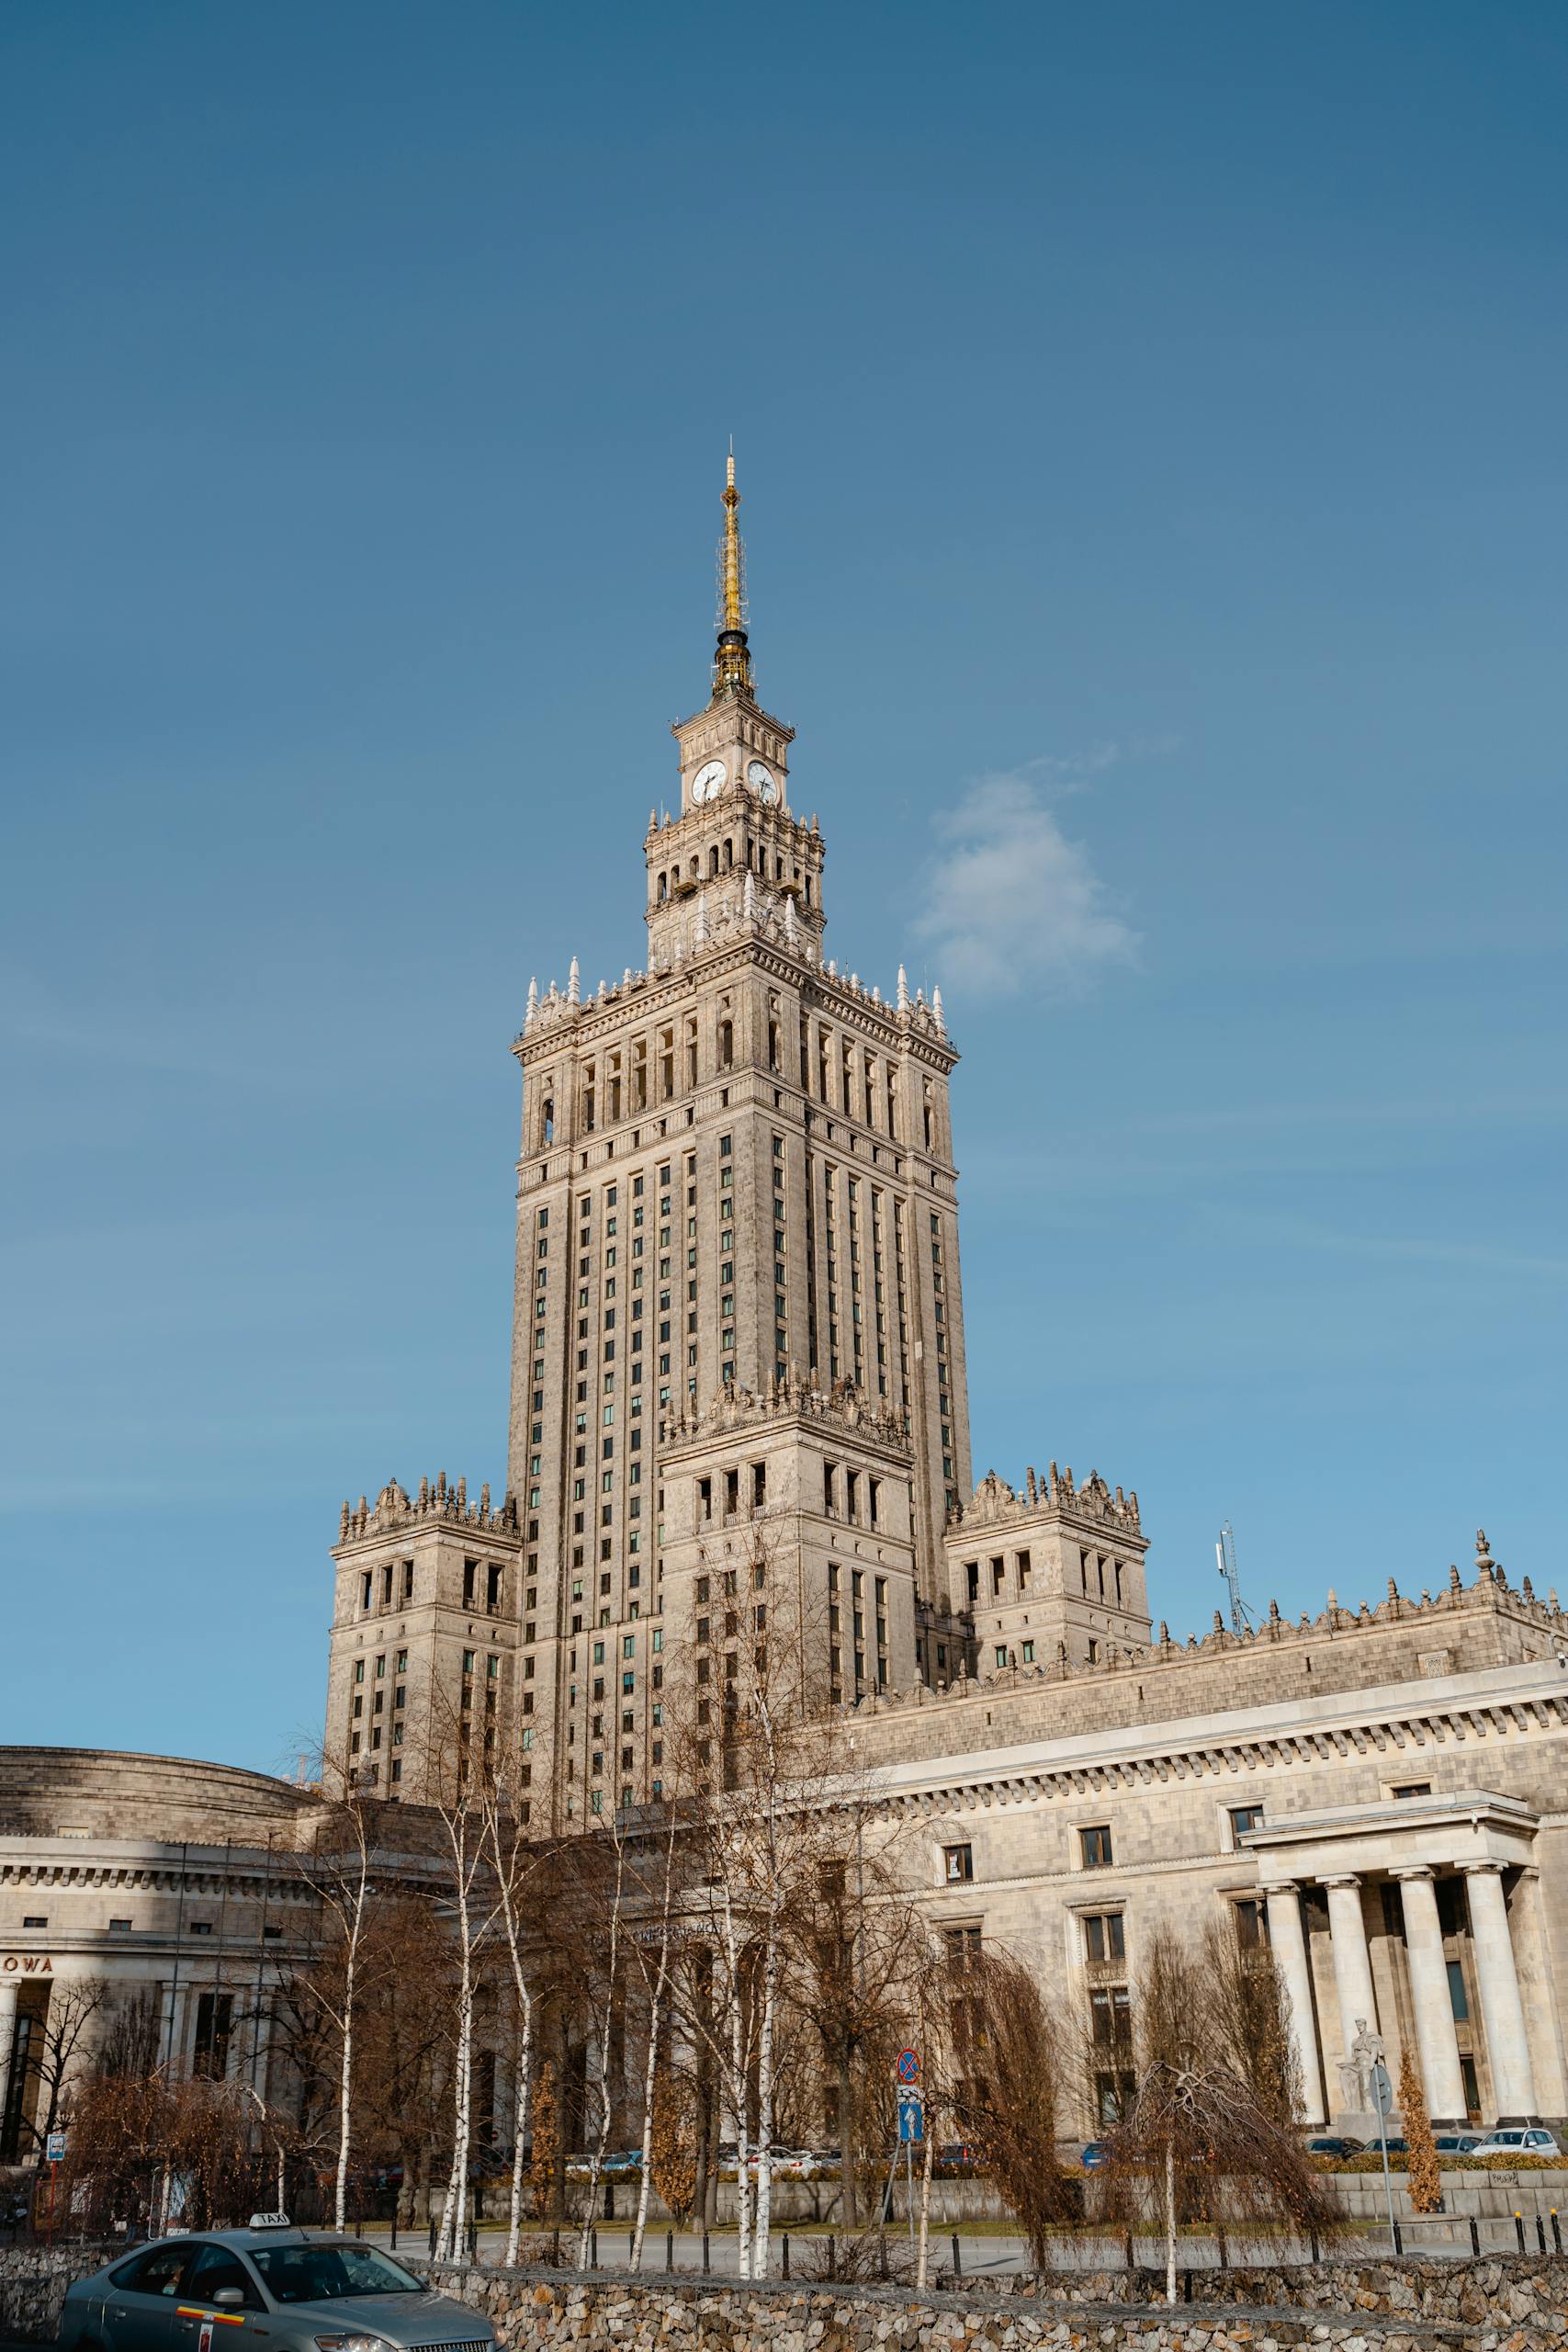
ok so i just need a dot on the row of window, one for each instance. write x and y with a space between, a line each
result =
857 1627
1095 1848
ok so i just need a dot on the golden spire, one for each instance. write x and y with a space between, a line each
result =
732 660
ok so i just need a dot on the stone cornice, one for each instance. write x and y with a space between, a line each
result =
1242 1746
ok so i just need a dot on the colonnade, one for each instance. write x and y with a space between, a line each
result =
1497 1976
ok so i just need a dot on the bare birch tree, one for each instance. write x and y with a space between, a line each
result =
341 1876
609 1990
656 1983
460 1806
519 1867
760 1822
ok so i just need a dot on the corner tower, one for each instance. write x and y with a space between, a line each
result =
736 1184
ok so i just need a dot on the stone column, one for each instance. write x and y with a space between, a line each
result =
1287 1941
1352 1963
1502 2011
7 2036
1429 1998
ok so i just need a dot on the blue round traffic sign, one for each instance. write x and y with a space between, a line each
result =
908 2067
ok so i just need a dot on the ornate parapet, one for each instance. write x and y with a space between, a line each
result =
842 1406
994 1503
395 1510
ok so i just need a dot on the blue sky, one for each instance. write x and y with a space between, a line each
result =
1150 423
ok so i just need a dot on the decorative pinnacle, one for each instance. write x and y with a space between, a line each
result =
732 658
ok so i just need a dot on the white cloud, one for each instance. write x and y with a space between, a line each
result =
1010 902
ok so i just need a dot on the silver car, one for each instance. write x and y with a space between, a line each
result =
302 2293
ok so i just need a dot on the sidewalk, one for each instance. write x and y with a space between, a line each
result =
985 2253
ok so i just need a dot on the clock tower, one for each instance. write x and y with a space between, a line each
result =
736 846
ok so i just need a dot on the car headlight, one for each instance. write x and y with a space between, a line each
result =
355 2342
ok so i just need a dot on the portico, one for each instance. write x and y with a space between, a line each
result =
1404 1913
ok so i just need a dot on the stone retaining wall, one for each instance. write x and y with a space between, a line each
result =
1517 2302
546 2310
1520 2305
33 2279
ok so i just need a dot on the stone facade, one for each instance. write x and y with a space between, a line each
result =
426 1628
146 1875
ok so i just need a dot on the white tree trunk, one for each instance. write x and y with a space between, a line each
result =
1170 2219
520 2105
504 1855
765 2102
926 2154
596 2169
355 1923
345 2083
449 2233
650 2071
449 2236
738 2088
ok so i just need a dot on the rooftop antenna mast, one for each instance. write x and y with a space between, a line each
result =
1224 1553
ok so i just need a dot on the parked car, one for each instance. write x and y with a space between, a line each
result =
784 2163
1532 2141
1457 2143
1331 2145
955 2160
297 2290
623 2160
1096 2155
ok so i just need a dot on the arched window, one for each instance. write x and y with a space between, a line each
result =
663 887
712 860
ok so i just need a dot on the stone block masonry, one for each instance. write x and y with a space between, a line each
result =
33 2281
1384 2307
1490 2306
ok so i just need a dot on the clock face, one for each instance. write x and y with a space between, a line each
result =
760 780
708 782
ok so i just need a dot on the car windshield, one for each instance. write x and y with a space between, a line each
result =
326 2274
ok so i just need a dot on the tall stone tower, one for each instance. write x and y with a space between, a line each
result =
737 1276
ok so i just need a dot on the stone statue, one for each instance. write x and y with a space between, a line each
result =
1357 2069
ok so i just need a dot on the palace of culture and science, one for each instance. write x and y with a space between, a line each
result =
737 1307
737 1302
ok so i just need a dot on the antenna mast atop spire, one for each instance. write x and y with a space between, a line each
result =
732 658
1224 1553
